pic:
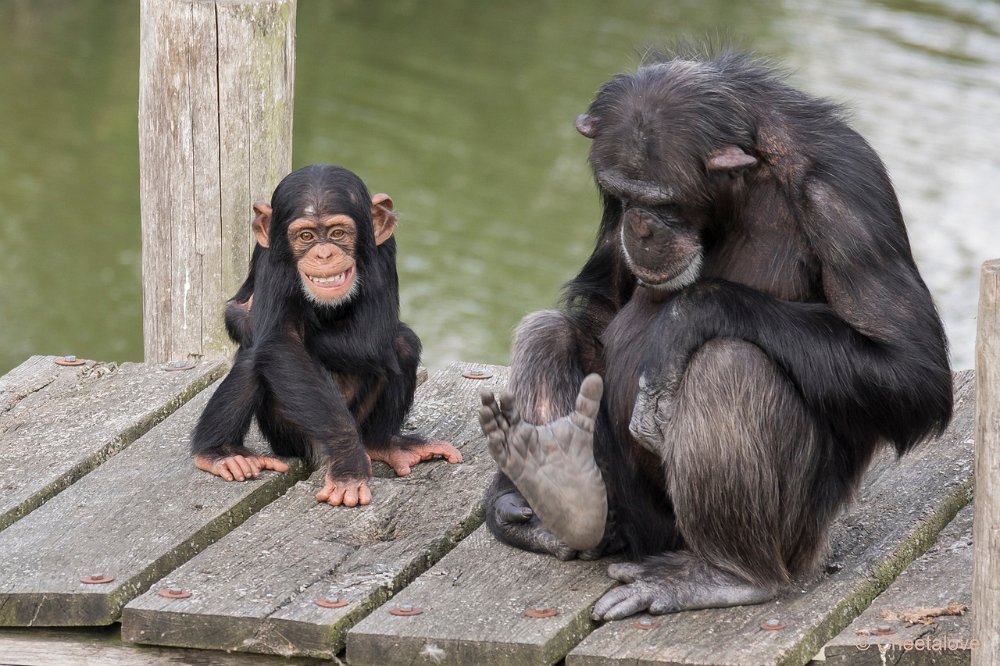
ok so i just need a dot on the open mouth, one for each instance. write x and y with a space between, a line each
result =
330 287
332 281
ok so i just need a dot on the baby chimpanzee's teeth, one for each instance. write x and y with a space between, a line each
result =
328 280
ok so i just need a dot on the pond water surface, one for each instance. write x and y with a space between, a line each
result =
464 113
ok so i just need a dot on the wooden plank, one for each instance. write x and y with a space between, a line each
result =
256 89
59 425
134 518
939 578
206 69
901 508
986 568
255 590
103 647
473 606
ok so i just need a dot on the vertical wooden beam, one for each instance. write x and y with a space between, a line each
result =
986 531
216 85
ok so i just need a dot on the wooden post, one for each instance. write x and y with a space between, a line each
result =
986 530
216 82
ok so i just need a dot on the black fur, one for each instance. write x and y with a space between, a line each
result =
297 360
807 292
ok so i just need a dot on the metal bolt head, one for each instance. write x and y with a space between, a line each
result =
174 366
69 360
646 624
405 610
173 593
883 629
477 373
772 624
331 603
541 612
96 579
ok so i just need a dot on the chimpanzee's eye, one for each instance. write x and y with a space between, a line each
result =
307 236
338 233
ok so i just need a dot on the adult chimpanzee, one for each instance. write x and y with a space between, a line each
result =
761 328
324 362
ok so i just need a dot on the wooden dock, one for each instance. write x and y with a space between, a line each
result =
114 549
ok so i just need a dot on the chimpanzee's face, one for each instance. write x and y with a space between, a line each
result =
661 248
324 251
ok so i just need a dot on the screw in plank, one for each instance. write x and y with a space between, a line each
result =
96 579
646 624
883 630
331 603
69 360
405 610
772 624
540 612
477 373
173 593
174 366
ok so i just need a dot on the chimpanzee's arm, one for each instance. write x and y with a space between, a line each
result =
238 323
872 360
306 398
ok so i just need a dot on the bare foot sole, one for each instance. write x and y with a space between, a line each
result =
553 465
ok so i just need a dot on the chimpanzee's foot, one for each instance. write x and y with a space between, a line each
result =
553 465
238 467
674 582
402 454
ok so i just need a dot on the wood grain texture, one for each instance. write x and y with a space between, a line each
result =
215 119
255 590
986 572
136 517
901 508
939 577
473 604
57 425
103 647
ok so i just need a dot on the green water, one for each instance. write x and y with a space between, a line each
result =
463 112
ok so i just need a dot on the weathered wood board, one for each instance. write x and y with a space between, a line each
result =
58 423
103 647
134 518
473 606
901 508
940 577
256 589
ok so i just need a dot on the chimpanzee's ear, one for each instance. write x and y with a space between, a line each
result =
730 158
383 217
261 222
586 125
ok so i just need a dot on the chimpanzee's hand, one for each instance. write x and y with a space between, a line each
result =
345 491
239 467
515 523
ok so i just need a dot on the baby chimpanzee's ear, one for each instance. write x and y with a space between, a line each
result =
261 222
384 218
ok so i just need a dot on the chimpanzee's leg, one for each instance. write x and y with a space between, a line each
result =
383 408
745 468
217 441
549 482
